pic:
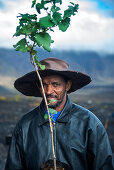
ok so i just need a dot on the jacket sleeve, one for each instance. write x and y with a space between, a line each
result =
15 160
99 150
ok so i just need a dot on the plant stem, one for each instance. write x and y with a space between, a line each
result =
46 104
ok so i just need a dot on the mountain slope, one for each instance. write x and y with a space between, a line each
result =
13 63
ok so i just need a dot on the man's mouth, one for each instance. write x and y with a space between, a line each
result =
51 98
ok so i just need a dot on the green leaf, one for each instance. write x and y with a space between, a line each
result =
28 25
52 111
41 66
27 17
57 1
52 100
64 24
52 41
54 8
72 3
43 39
21 45
38 63
76 7
34 52
46 22
26 30
36 59
29 48
70 11
33 3
46 116
56 17
39 7
45 1
52 31
18 31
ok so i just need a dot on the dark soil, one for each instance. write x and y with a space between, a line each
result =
98 100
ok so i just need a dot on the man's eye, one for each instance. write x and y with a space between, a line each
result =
56 84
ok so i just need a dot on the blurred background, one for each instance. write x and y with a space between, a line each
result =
87 45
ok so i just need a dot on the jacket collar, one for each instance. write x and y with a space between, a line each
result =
63 117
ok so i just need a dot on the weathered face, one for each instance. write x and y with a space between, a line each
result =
56 90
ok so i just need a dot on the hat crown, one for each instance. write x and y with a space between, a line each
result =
55 64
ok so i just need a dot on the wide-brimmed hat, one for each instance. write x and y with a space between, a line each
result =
29 83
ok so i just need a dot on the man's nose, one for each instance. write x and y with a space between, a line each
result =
49 89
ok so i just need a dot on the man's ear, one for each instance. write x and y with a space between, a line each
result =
68 85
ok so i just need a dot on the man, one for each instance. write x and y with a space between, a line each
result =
80 140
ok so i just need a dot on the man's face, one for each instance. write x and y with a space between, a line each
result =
56 89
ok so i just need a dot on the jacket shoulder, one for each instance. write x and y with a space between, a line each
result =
28 117
84 114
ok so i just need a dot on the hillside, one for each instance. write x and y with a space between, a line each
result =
99 67
5 91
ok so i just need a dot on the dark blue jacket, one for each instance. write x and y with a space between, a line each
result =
80 141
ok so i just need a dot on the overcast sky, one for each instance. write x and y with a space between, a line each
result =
91 29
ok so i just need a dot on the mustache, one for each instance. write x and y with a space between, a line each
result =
51 95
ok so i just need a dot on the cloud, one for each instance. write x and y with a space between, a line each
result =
9 21
90 29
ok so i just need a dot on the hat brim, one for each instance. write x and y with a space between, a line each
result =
29 83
